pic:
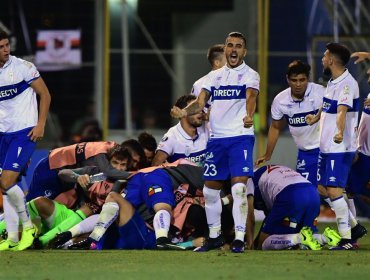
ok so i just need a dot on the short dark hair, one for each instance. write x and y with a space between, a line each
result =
3 34
183 100
119 152
147 141
340 51
215 52
134 146
297 67
237 34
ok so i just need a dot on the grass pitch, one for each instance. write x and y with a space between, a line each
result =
216 265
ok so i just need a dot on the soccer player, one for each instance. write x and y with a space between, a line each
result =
233 91
187 139
149 144
56 215
291 106
360 172
291 204
338 132
155 188
45 180
22 124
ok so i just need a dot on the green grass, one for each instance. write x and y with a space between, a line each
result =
216 265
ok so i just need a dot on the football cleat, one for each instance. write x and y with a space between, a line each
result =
163 243
358 231
332 236
237 246
307 239
8 245
28 236
60 239
85 244
211 244
344 244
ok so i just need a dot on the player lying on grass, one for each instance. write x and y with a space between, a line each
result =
156 186
291 205
87 196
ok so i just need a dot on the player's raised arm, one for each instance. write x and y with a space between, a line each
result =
193 108
361 56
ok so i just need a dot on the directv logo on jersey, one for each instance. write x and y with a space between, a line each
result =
297 120
326 105
227 92
8 92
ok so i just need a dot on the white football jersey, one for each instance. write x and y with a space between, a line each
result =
272 181
227 87
305 136
18 104
364 131
178 144
341 91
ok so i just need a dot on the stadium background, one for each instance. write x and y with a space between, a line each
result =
163 44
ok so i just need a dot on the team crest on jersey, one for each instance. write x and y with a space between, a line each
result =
154 189
187 151
346 90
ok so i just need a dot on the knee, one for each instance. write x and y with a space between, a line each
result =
239 190
211 195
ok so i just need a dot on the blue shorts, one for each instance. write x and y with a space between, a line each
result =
45 182
16 150
307 164
296 206
132 236
359 175
229 157
150 188
333 169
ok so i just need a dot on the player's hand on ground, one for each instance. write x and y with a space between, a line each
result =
36 133
177 113
338 138
361 56
83 180
248 121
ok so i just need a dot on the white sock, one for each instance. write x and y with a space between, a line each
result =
50 220
352 212
320 238
84 226
17 200
12 220
107 216
281 241
342 215
328 201
213 207
161 223
240 209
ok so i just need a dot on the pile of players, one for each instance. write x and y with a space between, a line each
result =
199 187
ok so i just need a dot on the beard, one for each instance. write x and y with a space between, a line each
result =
327 72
